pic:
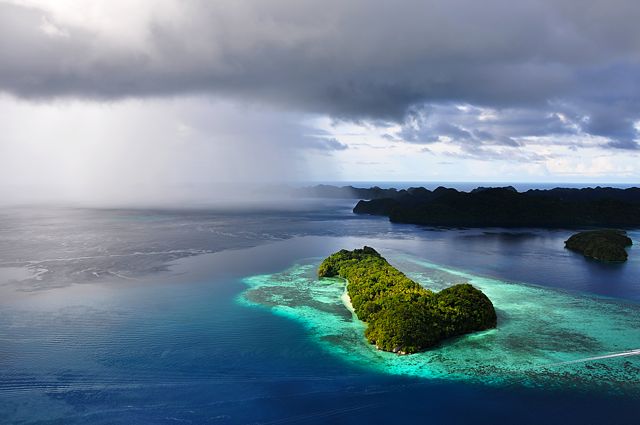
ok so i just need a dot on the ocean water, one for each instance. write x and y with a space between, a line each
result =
204 316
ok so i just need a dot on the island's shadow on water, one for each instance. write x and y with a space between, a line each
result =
503 316
597 264
201 344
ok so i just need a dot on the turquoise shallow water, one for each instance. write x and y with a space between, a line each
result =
545 337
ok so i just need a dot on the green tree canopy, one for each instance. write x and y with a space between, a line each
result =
402 316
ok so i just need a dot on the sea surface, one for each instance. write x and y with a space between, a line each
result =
215 316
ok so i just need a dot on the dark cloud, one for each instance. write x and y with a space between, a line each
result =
357 60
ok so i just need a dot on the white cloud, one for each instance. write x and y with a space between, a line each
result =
52 30
594 167
548 158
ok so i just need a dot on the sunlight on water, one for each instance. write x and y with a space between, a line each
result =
545 337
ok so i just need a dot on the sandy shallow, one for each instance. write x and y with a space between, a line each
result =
346 300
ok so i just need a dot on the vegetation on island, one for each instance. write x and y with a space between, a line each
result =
506 207
401 315
603 245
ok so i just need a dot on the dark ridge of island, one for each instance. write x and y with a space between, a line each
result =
401 315
603 245
506 207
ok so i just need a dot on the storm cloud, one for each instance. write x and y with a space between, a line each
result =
356 60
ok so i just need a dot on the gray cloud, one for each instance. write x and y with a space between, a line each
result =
326 144
357 60
472 127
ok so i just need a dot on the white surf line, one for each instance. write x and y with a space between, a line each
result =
629 353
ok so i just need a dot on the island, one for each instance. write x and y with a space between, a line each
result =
402 316
506 207
603 245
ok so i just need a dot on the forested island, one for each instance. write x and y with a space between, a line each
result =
603 245
506 207
401 315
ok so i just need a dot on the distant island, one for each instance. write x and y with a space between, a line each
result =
402 316
603 245
506 207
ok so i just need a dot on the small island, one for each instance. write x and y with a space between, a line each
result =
401 315
603 245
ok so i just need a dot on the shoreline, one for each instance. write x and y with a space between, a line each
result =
346 300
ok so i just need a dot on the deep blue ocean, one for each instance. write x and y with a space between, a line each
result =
131 316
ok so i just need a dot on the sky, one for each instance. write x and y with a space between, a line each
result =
119 99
